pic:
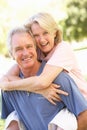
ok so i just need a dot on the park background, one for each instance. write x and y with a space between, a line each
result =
71 16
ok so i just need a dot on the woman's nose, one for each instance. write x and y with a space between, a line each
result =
41 38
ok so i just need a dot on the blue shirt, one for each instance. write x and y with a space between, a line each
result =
35 111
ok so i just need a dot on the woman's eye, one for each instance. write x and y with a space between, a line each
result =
45 33
35 36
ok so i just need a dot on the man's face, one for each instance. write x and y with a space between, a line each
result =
23 50
44 39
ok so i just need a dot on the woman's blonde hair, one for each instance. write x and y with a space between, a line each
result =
47 22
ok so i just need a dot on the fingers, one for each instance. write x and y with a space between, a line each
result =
55 85
53 98
54 95
59 91
57 98
62 92
53 102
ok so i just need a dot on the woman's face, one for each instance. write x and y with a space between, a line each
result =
44 39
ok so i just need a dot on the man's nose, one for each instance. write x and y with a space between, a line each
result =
25 51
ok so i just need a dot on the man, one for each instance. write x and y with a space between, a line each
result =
33 109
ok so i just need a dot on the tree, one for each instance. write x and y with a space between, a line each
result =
4 22
75 24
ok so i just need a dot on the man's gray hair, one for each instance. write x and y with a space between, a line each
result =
19 29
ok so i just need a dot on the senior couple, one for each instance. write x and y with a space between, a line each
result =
45 89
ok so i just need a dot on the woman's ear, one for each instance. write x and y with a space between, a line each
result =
55 34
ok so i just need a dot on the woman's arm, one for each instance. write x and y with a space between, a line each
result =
34 83
50 71
52 93
13 73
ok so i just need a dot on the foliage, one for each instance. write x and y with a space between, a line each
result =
4 24
75 24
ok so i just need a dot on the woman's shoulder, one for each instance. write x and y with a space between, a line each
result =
63 45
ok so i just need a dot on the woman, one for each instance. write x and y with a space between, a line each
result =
58 54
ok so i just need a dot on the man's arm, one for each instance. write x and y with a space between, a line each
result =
7 108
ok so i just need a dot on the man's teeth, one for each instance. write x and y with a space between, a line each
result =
27 59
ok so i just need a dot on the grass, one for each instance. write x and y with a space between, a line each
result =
86 77
1 124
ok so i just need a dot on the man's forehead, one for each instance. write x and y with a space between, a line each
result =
22 38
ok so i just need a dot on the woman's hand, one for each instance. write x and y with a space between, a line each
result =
52 93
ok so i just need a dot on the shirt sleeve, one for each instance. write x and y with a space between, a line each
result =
7 108
63 56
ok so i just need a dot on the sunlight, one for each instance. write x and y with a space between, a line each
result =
30 3
25 8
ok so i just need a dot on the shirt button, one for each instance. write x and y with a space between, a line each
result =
28 94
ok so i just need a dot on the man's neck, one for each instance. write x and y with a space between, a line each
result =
31 71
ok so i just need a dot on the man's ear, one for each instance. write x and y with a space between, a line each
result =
13 58
11 55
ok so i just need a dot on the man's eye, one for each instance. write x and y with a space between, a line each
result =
30 46
18 49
